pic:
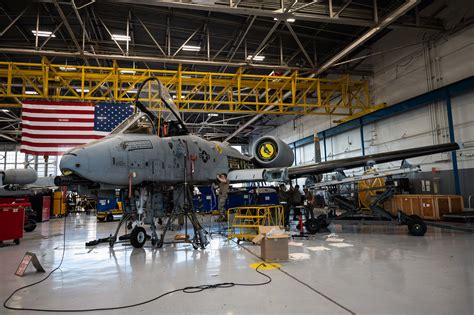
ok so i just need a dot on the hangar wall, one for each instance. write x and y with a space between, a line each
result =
400 75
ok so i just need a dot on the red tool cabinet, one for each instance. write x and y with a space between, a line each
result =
12 218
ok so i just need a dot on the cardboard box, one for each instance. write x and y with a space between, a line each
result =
270 231
273 243
274 248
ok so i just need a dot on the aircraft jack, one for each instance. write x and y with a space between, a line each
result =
300 228
200 235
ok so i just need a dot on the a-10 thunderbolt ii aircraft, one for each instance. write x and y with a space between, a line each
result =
146 154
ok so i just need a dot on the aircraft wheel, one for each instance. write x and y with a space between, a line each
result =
416 226
138 237
312 226
101 219
30 225
110 217
16 241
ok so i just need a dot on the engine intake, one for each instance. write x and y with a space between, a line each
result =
272 152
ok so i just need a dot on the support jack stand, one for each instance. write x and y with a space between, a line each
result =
200 235
302 233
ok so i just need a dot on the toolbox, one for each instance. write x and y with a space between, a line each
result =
12 219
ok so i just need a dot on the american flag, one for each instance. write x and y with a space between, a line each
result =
52 128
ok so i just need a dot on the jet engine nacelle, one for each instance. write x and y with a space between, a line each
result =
272 152
18 177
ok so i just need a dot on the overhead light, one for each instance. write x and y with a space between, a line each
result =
43 33
291 20
191 48
67 68
212 115
174 97
256 58
128 71
5 110
31 93
79 90
123 38
132 91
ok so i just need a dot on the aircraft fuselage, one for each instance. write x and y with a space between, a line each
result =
117 159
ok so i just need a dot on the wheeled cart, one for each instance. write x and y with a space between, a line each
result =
12 218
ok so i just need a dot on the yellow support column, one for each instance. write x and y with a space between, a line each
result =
45 68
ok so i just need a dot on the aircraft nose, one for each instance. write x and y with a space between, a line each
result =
73 162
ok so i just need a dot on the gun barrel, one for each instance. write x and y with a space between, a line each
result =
71 180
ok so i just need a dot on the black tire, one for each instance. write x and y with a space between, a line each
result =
30 225
101 219
312 226
16 241
138 237
323 222
110 217
416 226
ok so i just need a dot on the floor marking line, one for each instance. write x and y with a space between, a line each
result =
301 282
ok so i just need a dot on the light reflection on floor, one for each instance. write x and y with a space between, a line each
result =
386 271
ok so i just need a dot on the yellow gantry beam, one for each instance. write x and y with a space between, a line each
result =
193 91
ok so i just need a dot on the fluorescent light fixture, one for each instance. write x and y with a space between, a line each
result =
212 115
67 68
79 90
256 58
174 97
191 48
31 93
132 91
128 71
118 37
5 110
290 20
43 33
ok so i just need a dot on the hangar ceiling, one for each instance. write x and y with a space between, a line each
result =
254 37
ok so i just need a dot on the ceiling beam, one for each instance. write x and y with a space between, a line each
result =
392 16
68 26
66 54
13 22
299 44
358 17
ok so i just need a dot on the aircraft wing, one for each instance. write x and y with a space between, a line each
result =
353 162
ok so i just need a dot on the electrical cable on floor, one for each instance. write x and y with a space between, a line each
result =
301 282
189 290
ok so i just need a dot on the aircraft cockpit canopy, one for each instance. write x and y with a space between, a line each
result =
138 123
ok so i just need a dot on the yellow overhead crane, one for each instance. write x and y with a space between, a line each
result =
194 91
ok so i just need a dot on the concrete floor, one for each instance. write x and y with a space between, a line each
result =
386 271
